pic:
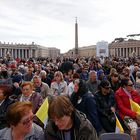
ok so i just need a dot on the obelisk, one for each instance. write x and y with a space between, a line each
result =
76 38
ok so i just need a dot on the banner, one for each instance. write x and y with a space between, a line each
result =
102 49
119 128
42 112
135 106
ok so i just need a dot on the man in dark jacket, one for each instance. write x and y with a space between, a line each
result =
67 123
106 106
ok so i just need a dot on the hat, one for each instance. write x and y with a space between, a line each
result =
17 78
105 84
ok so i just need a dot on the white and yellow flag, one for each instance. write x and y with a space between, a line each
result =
42 112
135 106
119 128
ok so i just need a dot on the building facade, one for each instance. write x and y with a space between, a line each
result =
85 51
25 51
129 48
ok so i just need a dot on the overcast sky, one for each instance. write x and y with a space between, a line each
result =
51 23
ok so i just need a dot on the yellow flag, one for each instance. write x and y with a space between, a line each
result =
135 106
42 112
119 128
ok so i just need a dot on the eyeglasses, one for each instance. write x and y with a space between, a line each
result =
27 121
130 85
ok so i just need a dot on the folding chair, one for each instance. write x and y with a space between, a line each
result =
138 134
114 136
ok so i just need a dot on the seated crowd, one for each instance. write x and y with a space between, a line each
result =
85 97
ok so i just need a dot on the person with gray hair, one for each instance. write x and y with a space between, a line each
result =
45 77
93 83
42 73
41 87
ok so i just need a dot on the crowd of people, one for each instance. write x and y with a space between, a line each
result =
85 96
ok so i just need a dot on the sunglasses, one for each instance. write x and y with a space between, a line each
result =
106 87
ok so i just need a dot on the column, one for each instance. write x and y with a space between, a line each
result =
23 53
0 52
126 52
15 53
30 53
120 52
133 51
26 53
136 51
36 54
114 51
12 53
18 53
123 52
130 51
5 52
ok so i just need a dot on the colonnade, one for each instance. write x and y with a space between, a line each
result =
17 53
127 52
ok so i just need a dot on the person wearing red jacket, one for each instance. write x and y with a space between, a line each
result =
122 96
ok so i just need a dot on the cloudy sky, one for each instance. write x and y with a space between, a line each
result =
51 22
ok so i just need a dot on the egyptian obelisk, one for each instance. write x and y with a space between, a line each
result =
76 38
